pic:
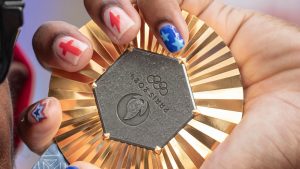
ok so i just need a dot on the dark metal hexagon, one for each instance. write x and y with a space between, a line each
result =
144 99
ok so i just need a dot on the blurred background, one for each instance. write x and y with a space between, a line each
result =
73 11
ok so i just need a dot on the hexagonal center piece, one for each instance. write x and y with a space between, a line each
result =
144 99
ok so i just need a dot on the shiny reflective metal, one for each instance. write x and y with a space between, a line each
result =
51 158
215 83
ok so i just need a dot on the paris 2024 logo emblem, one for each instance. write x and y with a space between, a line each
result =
133 109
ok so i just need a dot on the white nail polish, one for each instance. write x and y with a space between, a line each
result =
69 49
117 21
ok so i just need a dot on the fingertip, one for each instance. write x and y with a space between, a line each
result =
72 53
118 19
45 111
168 21
61 46
40 123
171 37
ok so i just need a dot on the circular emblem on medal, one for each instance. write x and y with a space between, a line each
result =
133 109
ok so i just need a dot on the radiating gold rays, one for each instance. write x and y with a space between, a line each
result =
215 82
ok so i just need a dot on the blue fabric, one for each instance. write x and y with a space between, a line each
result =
72 167
171 38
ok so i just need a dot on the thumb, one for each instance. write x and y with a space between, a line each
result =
82 165
39 124
226 20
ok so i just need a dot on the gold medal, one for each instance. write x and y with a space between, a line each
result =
139 106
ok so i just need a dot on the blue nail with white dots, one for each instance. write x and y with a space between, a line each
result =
171 38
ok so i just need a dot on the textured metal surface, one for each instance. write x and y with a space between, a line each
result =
144 99
215 83
51 159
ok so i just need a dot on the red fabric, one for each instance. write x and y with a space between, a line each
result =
24 99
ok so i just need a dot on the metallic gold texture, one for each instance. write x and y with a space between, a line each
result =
215 82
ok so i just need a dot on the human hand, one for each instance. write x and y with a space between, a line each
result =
266 65
267 52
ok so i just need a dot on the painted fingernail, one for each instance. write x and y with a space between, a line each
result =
69 49
117 21
39 111
72 167
171 37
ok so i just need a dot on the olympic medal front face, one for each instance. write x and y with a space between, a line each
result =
144 99
137 105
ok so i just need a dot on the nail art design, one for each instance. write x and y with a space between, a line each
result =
69 49
38 112
117 21
171 38
114 20
72 167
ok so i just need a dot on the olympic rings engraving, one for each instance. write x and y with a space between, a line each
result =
158 84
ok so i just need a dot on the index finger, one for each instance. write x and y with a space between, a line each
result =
60 45
117 18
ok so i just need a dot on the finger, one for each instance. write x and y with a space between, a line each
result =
249 36
82 165
60 45
39 124
118 18
165 19
224 19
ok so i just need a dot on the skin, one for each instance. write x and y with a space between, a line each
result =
6 126
267 52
